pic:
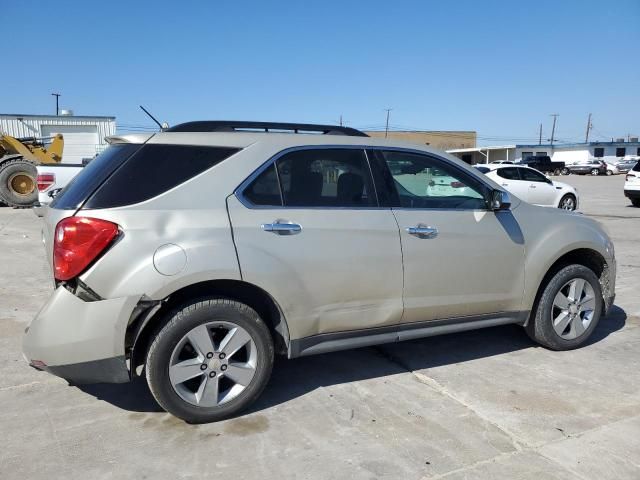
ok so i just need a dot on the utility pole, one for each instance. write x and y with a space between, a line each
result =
386 128
340 119
586 137
553 129
540 136
57 95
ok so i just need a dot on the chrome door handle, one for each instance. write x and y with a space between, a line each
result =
282 228
422 231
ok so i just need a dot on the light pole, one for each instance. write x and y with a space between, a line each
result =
57 95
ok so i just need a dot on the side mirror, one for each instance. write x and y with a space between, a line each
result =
500 200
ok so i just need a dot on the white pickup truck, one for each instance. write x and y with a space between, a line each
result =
51 179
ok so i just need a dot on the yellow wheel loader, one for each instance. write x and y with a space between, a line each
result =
18 160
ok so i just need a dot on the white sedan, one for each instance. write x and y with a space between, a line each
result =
532 186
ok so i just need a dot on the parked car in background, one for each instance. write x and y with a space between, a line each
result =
543 163
501 162
632 185
626 164
612 168
195 255
590 167
51 179
532 186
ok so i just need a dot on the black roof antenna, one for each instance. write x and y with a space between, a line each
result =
162 126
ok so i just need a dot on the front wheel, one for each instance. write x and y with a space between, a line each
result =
595 171
557 172
566 171
609 173
568 309
211 360
635 202
568 202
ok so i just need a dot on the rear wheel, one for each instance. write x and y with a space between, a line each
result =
595 171
557 171
568 310
609 173
566 171
18 183
211 360
635 202
568 202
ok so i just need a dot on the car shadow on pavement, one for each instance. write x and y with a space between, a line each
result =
294 378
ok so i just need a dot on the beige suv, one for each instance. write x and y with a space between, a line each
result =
194 255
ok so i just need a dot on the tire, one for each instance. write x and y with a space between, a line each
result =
566 171
22 174
635 202
567 202
212 318
595 172
557 172
541 324
609 173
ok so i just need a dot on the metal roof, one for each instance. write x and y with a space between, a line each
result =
60 117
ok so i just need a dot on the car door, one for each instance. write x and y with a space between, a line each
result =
460 259
509 178
309 231
540 189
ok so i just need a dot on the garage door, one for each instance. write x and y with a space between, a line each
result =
80 141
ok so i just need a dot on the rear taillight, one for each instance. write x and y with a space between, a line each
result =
77 242
45 180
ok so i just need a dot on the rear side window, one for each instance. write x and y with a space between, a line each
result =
153 170
265 190
510 173
92 176
315 178
636 168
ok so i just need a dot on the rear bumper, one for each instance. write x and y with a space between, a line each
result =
632 193
80 341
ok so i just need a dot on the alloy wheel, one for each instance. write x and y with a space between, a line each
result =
213 363
568 203
595 171
573 308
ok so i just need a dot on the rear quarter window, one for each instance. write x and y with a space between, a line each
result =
153 170
92 176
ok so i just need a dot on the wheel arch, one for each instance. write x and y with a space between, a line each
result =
587 257
154 315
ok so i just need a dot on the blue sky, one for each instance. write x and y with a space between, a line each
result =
499 68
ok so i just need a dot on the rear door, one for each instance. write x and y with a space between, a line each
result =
309 231
460 259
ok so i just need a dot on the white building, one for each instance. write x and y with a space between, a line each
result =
83 135
568 153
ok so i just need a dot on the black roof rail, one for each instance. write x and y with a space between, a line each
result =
234 126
